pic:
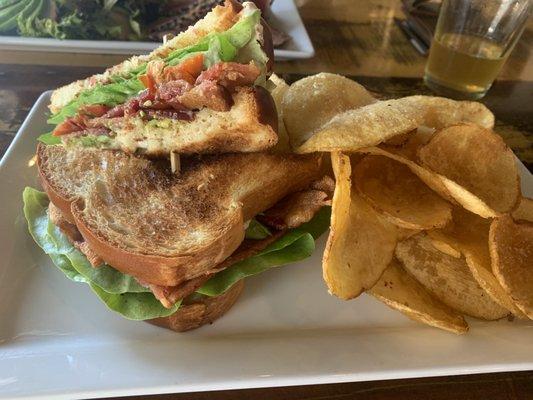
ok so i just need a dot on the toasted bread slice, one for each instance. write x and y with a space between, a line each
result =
162 228
220 19
250 125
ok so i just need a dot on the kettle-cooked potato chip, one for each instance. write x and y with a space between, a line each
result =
360 244
375 123
469 234
478 161
448 189
394 191
447 278
511 251
278 88
524 211
313 101
397 289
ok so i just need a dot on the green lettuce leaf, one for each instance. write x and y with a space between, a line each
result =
135 306
256 231
110 95
48 138
224 46
294 246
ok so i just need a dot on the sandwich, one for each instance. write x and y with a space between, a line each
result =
173 248
202 92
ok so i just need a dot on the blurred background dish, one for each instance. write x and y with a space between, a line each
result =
129 26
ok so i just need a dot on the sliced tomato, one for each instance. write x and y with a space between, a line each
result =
69 125
148 81
192 65
94 110
187 70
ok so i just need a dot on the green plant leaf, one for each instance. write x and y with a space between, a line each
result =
256 231
295 245
135 306
48 138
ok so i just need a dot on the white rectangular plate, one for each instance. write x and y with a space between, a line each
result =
58 341
286 18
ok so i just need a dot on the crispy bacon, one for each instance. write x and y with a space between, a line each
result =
94 110
207 94
171 92
295 209
70 125
230 74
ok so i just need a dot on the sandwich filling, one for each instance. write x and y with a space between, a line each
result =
289 238
204 75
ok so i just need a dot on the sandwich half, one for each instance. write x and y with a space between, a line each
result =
201 92
174 249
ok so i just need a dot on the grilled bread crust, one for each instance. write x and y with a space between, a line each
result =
220 19
205 311
192 313
250 125
162 228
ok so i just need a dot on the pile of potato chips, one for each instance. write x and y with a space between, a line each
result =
427 213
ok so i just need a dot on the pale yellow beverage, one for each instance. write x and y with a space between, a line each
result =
464 63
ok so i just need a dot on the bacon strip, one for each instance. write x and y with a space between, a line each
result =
177 90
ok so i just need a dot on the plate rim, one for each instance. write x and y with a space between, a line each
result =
257 381
117 47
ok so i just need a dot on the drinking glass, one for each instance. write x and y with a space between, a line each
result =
473 38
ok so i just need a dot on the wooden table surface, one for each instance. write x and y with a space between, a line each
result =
358 39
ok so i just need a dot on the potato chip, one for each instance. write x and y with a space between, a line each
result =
524 211
444 243
397 289
311 102
429 178
394 191
413 142
404 233
511 252
445 187
278 88
375 123
478 161
469 235
447 278
360 244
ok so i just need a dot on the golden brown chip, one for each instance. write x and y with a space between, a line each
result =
444 243
360 244
447 189
511 252
278 88
469 235
431 179
447 278
394 191
397 289
412 142
478 161
375 123
313 101
524 211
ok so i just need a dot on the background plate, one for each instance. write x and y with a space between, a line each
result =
58 341
286 18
